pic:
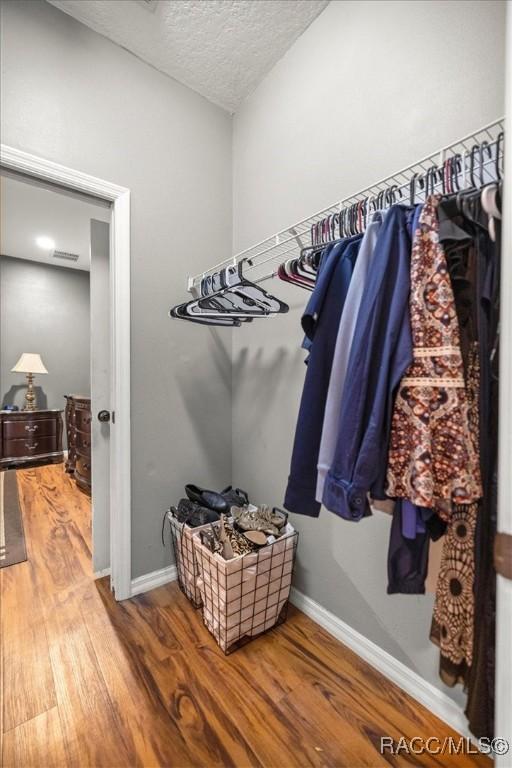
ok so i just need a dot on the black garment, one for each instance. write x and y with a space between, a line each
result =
474 262
480 706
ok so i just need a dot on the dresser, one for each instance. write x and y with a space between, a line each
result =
30 437
78 429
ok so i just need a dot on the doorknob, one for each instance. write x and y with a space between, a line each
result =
104 416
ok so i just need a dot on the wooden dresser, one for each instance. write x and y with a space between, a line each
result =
30 437
78 428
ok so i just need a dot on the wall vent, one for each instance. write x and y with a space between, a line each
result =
65 255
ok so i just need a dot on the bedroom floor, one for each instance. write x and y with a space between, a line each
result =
91 682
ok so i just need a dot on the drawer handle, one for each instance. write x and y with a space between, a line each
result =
31 428
31 446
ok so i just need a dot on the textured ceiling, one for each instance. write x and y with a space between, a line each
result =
219 48
29 210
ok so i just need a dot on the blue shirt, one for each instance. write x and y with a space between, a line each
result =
341 355
380 354
320 322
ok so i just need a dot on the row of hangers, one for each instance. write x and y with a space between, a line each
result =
228 298
461 177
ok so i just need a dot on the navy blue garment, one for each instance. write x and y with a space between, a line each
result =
381 353
408 550
320 321
307 321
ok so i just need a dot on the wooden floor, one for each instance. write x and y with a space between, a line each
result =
91 682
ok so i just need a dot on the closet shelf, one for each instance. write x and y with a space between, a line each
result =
287 242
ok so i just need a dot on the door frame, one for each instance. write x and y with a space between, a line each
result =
503 711
120 433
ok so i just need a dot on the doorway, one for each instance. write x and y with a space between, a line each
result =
105 209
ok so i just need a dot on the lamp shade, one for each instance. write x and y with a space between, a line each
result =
29 362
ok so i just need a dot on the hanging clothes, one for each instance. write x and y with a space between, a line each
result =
480 706
433 458
381 352
453 618
342 350
320 323
408 403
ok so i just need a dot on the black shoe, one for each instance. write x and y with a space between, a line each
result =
193 514
235 496
210 499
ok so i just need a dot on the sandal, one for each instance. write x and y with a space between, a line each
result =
254 519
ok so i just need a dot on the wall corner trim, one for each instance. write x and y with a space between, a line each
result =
152 580
399 673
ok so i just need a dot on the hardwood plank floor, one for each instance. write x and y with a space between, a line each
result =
90 682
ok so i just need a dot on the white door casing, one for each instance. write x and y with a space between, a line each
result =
503 718
120 450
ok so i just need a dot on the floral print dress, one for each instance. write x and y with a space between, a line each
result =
433 459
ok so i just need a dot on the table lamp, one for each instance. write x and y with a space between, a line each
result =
30 363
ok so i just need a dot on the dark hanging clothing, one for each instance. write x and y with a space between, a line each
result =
320 323
480 706
464 616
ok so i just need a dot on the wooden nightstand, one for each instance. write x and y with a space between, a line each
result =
30 437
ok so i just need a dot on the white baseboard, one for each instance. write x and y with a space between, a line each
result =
409 681
152 580
101 574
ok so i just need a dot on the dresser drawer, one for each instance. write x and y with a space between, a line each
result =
30 428
83 466
83 442
83 473
31 446
82 420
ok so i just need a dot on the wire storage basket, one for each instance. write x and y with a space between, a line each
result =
247 595
185 558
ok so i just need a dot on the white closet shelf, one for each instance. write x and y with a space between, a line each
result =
287 242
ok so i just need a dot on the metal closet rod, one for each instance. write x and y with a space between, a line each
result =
291 246
293 233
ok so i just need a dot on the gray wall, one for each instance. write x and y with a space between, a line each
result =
368 89
44 309
74 97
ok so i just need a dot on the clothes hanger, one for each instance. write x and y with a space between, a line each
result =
177 312
483 146
454 170
499 142
281 273
239 298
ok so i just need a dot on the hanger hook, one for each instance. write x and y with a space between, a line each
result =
474 150
483 146
499 142
454 172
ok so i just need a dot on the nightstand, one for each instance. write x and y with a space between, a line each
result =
30 437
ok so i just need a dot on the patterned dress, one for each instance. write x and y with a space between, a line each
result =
433 459
453 618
